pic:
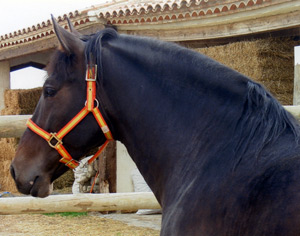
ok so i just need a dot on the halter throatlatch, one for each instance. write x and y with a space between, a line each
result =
55 139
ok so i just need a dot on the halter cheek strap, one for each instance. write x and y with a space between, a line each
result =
55 139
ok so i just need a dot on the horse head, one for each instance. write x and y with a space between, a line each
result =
36 165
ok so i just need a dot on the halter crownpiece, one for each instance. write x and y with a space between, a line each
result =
55 139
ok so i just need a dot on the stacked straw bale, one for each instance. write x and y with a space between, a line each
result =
269 61
7 152
17 102
21 101
64 183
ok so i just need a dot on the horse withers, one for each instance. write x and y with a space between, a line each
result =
219 152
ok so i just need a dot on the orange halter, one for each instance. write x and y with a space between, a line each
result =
55 139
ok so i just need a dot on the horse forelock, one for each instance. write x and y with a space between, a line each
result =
61 66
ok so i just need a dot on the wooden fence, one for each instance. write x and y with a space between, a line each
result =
14 126
78 203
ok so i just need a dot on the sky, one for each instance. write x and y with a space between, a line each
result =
18 14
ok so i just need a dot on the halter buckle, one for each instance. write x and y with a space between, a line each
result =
72 163
58 141
91 73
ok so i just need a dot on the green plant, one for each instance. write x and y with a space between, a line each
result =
67 214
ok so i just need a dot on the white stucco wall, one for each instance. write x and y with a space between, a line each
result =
296 97
125 165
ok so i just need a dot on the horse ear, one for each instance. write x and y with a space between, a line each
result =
72 29
69 43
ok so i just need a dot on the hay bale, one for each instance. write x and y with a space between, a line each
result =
64 181
6 181
22 98
7 152
16 111
17 102
269 61
8 148
20 101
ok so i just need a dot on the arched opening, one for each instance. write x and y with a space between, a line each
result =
27 78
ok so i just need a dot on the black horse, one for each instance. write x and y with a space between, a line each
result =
219 152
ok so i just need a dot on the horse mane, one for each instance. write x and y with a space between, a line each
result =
264 118
94 46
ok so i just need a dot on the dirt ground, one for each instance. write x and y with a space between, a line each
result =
93 224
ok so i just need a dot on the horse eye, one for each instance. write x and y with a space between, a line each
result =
49 92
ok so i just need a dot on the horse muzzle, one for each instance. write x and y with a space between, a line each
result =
34 185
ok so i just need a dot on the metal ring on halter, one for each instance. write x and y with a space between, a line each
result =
97 102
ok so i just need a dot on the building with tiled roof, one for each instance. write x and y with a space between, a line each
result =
185 21
173 20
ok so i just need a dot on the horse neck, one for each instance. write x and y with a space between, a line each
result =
166 112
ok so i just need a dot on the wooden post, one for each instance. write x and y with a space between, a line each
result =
107 167
78 203
4 80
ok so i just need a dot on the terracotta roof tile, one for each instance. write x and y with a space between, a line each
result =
141 11
133 12
39 30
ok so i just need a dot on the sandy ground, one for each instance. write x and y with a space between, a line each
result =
146 221
93 224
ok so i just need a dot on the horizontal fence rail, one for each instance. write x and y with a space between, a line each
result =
78 203
14 126
294 110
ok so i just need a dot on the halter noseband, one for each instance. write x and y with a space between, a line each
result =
55 139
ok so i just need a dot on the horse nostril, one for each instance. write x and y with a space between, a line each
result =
12 172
